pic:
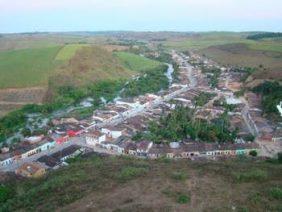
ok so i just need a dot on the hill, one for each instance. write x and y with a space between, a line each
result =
128 184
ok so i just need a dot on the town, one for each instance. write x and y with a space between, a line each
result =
203 86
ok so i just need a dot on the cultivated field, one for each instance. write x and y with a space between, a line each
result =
27 67
68 51
135 62
127 184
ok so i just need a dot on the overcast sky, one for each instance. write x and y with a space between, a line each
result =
140 15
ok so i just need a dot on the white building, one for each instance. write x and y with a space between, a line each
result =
279 107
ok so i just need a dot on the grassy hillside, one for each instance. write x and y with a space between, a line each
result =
127 184
136 62
27 67
91 64
68 51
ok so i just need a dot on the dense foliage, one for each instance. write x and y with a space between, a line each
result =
271 96
260 36
152 81
203 98
180 125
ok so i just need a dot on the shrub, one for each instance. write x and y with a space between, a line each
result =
276 193
253 153
5 193
183 199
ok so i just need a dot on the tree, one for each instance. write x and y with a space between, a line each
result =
279 157
253 153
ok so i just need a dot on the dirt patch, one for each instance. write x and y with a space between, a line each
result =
14 98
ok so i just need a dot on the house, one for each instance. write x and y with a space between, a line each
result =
49 161
277 136
95 137
143 147
68 152
31 170
279 107
131 149
113 131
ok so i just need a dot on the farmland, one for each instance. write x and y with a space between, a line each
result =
68 51
135 62
27 67
127 184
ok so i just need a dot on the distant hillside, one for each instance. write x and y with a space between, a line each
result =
267 62
260 36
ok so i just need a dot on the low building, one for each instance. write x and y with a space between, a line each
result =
31 170
95 137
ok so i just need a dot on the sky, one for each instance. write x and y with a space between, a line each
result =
140 15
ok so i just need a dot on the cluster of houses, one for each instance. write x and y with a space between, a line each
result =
113 127
119 143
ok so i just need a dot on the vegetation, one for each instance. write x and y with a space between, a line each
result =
180 125
151 82
253 153
27 67
68 51
276 193
136 63
260 36
136 182
271 96
213 76
203 98
251 175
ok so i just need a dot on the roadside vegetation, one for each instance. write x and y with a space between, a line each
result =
174 185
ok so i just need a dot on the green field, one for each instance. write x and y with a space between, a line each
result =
27 67
68 51
136 62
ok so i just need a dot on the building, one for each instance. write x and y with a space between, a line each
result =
31 170
279 107
95 137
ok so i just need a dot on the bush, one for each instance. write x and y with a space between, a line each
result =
5 193
183 199
253 153
276 193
